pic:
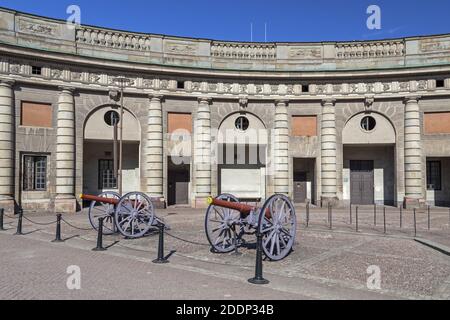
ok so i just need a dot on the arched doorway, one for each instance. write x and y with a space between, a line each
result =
242 147
98 155
369 175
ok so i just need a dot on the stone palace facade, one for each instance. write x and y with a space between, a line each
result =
343 122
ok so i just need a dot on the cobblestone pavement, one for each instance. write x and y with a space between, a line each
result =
326 264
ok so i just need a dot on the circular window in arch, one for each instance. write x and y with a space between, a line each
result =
111 118
368 123
242 123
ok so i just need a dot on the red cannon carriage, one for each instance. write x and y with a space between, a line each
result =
228 220
132 215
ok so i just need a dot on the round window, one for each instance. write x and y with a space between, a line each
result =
368 123
242 123
112 117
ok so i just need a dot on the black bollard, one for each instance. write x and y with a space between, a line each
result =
401 218
307 215
351 222
415 226
2 212
384 219
58 229
429 222
258 279
330 209
161 258
356 218
375 214
19 223
99 246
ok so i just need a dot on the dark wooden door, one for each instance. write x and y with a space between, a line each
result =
300 186
361 182
178 187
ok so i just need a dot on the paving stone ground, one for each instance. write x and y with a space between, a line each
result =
326 264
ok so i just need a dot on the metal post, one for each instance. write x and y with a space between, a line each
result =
429 222
401 216
356 218
351 222
384 219
375 214
2 212
19 223
119 175
99 246
415 226
330 209
258 279
307 215
58 229
161 258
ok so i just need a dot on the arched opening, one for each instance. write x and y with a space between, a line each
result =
369 175
242 147
98 151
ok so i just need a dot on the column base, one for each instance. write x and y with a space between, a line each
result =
8 204
65 204
411 203
201 203
333 201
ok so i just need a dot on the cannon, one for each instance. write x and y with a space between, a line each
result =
132 215
227 220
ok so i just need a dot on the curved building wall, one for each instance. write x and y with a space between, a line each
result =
303 92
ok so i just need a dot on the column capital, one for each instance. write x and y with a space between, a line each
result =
156 97
65 89
282 102
7 82
205 100
330 101
412 98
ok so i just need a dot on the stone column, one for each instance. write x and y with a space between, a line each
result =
281 148
155 153
202 152
7 145
65 153
413 153
328 152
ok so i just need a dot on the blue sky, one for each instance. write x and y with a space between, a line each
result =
287 20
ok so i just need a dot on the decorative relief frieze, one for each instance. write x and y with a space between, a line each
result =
94 78
56 74
15 68
376 49
39 28
433 45
148 83
251 51
304 53
180 48
76 76
22 68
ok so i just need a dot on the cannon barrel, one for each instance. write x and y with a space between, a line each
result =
243 208
99 199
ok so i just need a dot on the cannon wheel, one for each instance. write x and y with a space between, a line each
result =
218 225
103 210
278 230
134 215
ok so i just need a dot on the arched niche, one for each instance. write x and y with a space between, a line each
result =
256 132
97 129
382 133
